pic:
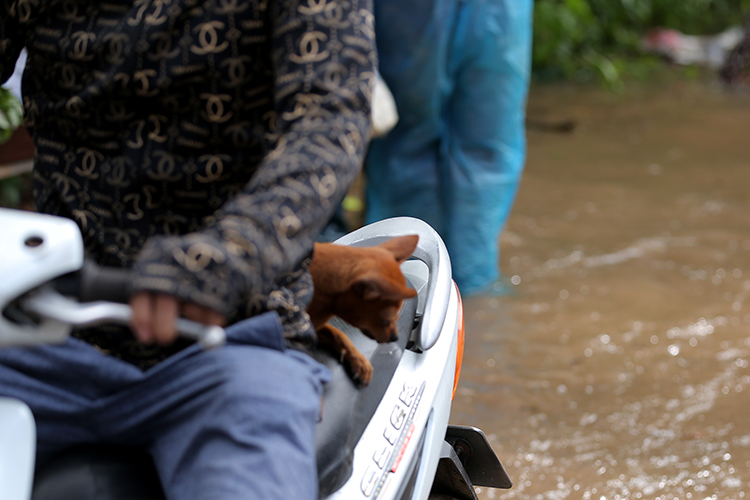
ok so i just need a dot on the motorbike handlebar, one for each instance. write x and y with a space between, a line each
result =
47 287
93 283
105 283
102 295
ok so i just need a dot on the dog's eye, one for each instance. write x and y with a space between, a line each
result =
385 321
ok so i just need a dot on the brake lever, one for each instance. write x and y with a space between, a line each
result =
50 304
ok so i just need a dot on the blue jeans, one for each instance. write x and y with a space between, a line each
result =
459 73
232 423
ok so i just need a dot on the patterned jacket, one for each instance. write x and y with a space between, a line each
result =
203 143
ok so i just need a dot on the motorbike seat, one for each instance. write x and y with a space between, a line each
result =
106 472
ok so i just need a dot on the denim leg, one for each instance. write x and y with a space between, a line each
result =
63 385
238 423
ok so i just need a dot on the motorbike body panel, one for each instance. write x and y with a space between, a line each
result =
36 249
409 424
17 449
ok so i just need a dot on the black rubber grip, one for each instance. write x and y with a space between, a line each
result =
104 283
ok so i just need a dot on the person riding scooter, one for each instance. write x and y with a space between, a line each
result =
203 145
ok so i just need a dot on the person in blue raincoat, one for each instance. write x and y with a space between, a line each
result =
459 73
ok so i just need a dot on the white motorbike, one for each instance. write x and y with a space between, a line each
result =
387 441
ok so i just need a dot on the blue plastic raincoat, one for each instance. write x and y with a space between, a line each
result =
459 72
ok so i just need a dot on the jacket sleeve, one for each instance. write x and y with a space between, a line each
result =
323 59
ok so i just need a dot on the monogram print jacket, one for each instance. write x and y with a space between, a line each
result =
202 143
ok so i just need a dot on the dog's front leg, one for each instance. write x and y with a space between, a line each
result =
338 342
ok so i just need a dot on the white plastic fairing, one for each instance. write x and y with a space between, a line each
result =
408 427
17 445
34 249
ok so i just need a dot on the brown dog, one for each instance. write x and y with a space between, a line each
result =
365 288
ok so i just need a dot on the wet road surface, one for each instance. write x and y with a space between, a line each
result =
619 370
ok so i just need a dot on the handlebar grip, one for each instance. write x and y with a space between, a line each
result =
94 289
104 283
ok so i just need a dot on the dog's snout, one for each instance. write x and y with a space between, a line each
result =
394 337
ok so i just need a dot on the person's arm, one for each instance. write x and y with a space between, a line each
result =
324 58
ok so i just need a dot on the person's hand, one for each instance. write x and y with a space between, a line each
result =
154 316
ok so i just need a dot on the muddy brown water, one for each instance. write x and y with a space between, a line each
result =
619 369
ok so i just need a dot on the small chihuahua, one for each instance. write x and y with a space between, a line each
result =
363 286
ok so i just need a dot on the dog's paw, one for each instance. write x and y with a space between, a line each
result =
360 367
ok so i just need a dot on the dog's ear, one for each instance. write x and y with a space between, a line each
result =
374 286
401 246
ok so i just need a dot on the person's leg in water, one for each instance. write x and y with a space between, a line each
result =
485 145
456 155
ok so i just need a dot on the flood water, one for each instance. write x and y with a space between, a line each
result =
620 367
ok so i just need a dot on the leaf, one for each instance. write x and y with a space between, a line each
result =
4 122
11 114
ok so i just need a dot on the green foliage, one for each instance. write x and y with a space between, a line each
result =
11 117
584 40
10 192
11 114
